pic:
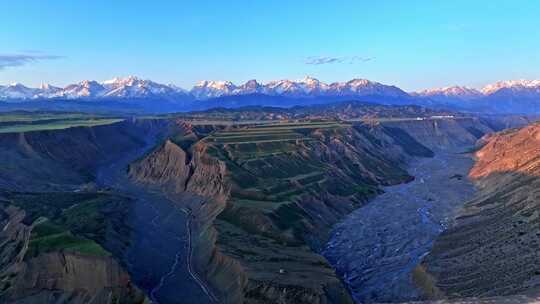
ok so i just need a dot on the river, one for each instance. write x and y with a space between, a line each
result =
377 246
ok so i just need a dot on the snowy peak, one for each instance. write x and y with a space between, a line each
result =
312 85
118 81
250 87
209 89
17 91
513 85
364 87
83 89
217 85
284 87
46 90
48 87
310 82
461 92
134 87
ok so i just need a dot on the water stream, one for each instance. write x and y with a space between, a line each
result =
376 247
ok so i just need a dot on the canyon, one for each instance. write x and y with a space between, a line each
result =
492 243
195 207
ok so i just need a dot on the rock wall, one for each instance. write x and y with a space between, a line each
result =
492 250
60 159
56 277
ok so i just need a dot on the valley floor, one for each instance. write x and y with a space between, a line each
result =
158 257
517 299
376 248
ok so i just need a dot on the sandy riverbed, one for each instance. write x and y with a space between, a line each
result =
376 247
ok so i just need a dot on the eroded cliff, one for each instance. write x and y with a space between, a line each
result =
59 234
492 249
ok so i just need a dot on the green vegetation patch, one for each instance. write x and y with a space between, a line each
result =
24 121
274 132
57 125
302 125
259 138
51 204
48 237
28 116
74 222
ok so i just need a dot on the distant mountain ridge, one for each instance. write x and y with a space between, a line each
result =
516 96
512 96
516 87
459 92
129 87
134 87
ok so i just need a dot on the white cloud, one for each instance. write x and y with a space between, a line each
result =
330 60
14 60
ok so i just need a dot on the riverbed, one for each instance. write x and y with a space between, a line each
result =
377 246
158 257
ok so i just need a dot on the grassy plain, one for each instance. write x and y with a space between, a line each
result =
15 122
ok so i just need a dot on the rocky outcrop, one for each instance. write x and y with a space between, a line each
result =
182 173
492 250
60 277
56 277
167 166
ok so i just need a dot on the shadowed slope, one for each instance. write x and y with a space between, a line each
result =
493 248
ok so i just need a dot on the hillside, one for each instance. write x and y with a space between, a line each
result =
275 191
492 248
61 237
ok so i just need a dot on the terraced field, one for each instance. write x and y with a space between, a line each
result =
271 163
263 148
269 139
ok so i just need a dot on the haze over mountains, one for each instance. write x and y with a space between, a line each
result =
518 96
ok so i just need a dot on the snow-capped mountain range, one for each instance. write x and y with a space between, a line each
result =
135 88
464 93
129 87
307 87
524 88
513 96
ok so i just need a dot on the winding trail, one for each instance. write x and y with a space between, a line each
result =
377 246
193 274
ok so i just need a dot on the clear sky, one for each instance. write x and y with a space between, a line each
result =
411 44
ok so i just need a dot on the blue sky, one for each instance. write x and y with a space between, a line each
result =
411 44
